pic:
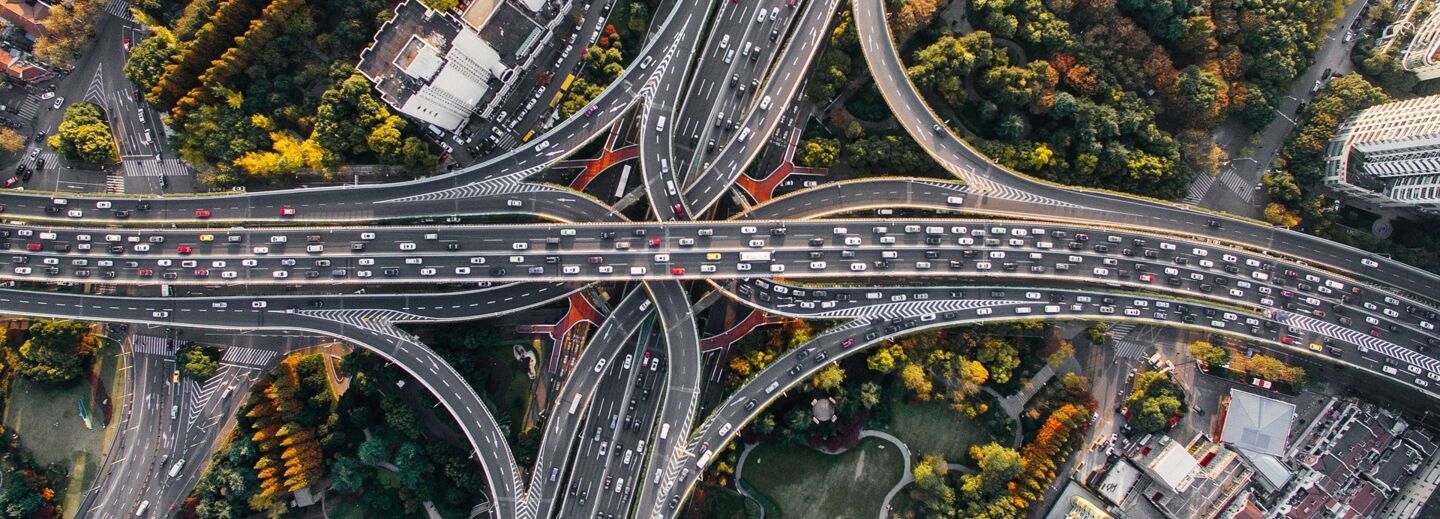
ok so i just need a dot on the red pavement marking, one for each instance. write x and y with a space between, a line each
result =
725 339
764 189
607 158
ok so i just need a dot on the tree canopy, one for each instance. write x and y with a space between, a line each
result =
84 135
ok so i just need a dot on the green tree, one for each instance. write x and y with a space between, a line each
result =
820 152
349 474
441 5
374 451
1096 333
1281 188
57 351
69 28
1203 96
198 362
869 395
998 466
999 357
84 135
1153 401
935 494
942 66
1008 86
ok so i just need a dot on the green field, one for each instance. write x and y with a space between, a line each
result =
810 484
933 428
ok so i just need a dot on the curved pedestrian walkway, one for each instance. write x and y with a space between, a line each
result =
906 477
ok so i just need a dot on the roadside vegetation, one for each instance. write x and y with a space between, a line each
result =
293 431
199 362
239 81
620 40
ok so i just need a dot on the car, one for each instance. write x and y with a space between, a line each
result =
677 271
514 203
10 182
59 102
202 213
184 249
287 211
847 343
1363 261
75 213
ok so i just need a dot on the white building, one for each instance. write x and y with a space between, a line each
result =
1420 56
1389 155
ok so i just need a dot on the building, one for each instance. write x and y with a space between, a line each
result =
1420 56
1389 155
19 67
431 67
29 15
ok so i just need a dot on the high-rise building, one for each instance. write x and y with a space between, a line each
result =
1422 56
1389 155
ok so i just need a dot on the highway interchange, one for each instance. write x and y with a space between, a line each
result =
1025 249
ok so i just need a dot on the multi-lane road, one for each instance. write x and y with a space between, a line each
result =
620 437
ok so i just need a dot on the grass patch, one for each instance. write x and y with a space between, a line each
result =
933 428
48 420
811 484
731 505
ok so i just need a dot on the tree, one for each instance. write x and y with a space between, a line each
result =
1203 96
1268 368
828 379
1280 216
929 474
69 28
881 361
820 152
198 362
998 356
1154 400
869 395
11 141
149 57
84 135
1096 333
1209 354
1281 188
350 122
998 466
374 451
57 351
911 15
349 474
916 380
1009 86
943 65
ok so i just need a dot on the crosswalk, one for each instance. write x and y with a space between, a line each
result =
29 107
1237 185
153 168
1131 350
244 356
150 345
114 184
1120 331
119 9
1199 187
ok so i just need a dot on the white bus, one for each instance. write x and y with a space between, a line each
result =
575 404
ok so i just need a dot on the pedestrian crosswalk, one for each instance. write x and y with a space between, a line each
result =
153 168
29 107
1237 185
247 356
119 9
1131 350
1199 187
150 345
114 184
1121 331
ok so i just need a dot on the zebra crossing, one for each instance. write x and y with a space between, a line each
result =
1131 350
114 184
1199 187
29 107
1365 342
119 9
154 168
150 345
1237 185
1121 331
244 356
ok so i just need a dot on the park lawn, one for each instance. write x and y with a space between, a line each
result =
48 420
806 483
731 505
933 428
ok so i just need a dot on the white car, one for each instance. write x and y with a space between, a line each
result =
102 204
983 311
857 267
280 274
229 274
59 102
407 245
1369 263
514 203
817 265
160 315
75 213
742 266
428 271
462 271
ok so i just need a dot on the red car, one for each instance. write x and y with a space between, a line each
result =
184 249
679 211
145 273
677 271
654 242
202 273
10 182
287 211
847 343
1148 278
125 42
34 246
202 213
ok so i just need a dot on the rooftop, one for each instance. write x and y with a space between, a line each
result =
1257 423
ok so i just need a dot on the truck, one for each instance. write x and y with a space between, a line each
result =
752 256
575 404
175 469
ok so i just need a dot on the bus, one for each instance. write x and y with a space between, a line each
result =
175 469
575 404
755 256
664 430
556 100
565 85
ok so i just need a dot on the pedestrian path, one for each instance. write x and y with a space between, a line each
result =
244 356
153 168
150 345
1199 187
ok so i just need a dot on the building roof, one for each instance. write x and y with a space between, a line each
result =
20 68
1272 471
1257 423
29 16
1173 466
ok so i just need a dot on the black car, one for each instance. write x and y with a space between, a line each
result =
52 209
143 206
122 214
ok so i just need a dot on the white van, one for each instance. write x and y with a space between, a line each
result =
660 124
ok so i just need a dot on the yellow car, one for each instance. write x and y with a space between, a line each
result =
714 256
207 237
